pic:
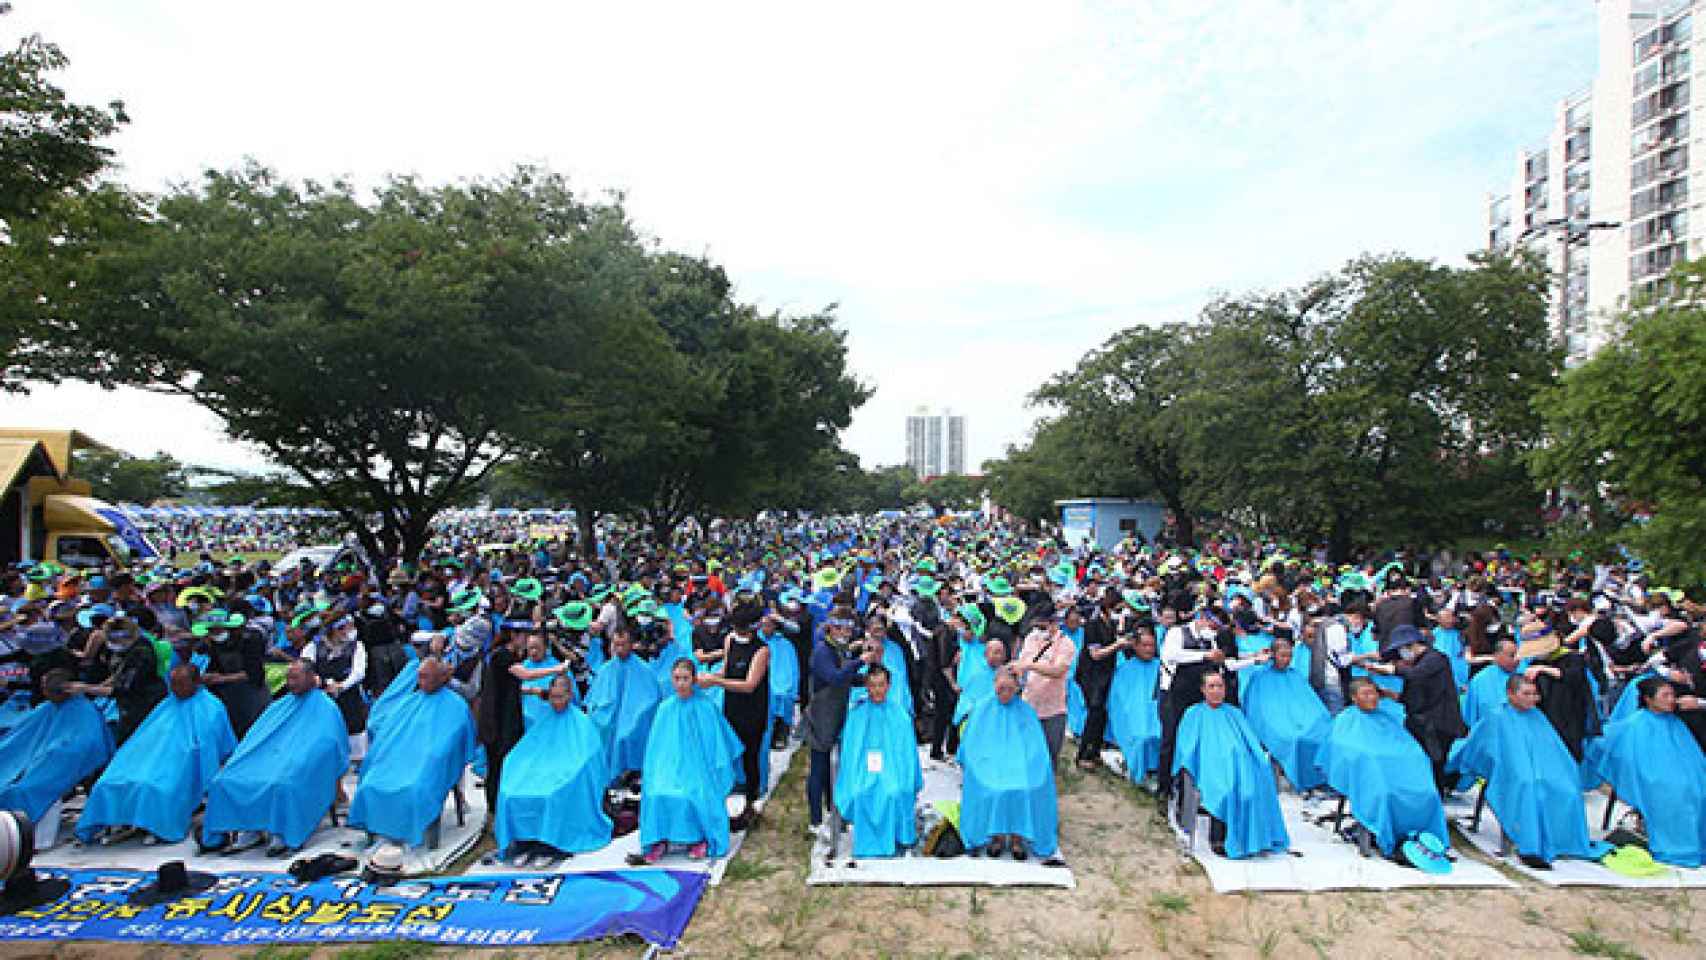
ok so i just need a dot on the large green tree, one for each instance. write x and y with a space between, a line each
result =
1065 457
51 153
386 351
119 477
1626 433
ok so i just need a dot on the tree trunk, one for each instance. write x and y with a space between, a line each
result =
586 526
415 534
1339 540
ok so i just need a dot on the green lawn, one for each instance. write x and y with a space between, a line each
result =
184 560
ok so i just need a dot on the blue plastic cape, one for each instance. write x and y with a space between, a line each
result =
1365 642
1450 643
284 775
1218 747
784 678
679 649
900 690
971 660
157 779
1629 700
1486 693
400 686
1077 711
1531 783
534 708
1374 761
1254 643
1009 779
681 625
553 783
879 778
977 684
420 753
623 695
690 768
1289 718
50 751
1134 714
1654 764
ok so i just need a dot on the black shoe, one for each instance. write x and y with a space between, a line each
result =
1218 848
1533 863
1019 852
996 847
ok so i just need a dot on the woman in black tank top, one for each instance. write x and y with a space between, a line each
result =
745 680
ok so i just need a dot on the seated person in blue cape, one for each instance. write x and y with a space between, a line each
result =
417 756
1532 781
551 799
691 761
1487 687
1287 714
878 783
623 696
284 776
977 679
1653 762
1008 800
52 749
784 679
1232 773
1134 712
157 779
1372 760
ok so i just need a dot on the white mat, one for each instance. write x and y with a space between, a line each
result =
341 840
1321 861
614 856
942 781
1565 873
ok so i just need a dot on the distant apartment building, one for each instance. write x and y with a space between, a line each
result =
1605 198
936 443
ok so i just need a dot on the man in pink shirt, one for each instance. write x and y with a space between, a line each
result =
1044 664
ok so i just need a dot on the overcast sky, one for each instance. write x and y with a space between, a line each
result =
987 189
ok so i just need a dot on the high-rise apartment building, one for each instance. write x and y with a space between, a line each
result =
935 444
1605 198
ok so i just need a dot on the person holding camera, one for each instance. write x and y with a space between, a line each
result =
125 668
836 667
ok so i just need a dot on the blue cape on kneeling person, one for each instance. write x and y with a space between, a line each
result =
899 691
879 779
50 751
1134 715
1654 764
1374 761
157 779
1223 754
1289 718
691 762
284 775
623 695
553 783
1531 783
1009 779
425 744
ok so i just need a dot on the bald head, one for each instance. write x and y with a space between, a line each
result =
185 681
434 673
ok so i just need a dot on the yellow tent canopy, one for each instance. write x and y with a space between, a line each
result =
59 444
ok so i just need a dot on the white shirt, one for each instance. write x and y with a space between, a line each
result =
357 669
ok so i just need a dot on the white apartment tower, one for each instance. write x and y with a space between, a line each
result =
1605 198
935 443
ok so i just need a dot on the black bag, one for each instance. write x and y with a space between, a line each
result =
944 841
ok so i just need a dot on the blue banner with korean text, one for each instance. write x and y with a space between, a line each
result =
263 908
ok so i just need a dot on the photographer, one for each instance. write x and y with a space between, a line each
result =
835 670
125 668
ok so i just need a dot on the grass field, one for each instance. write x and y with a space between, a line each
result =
183 560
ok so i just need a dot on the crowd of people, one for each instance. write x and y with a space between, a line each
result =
640 686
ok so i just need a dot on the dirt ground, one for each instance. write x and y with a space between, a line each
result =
1135 897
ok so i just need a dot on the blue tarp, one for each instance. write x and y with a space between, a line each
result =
879 778
784 678
420 753
1223 754
690 766
50 751
158 778
553 783
1374 761
284 775
1009 779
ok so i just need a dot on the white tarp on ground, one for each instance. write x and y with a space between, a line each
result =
133 855
942 781
1565 873
1321 861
